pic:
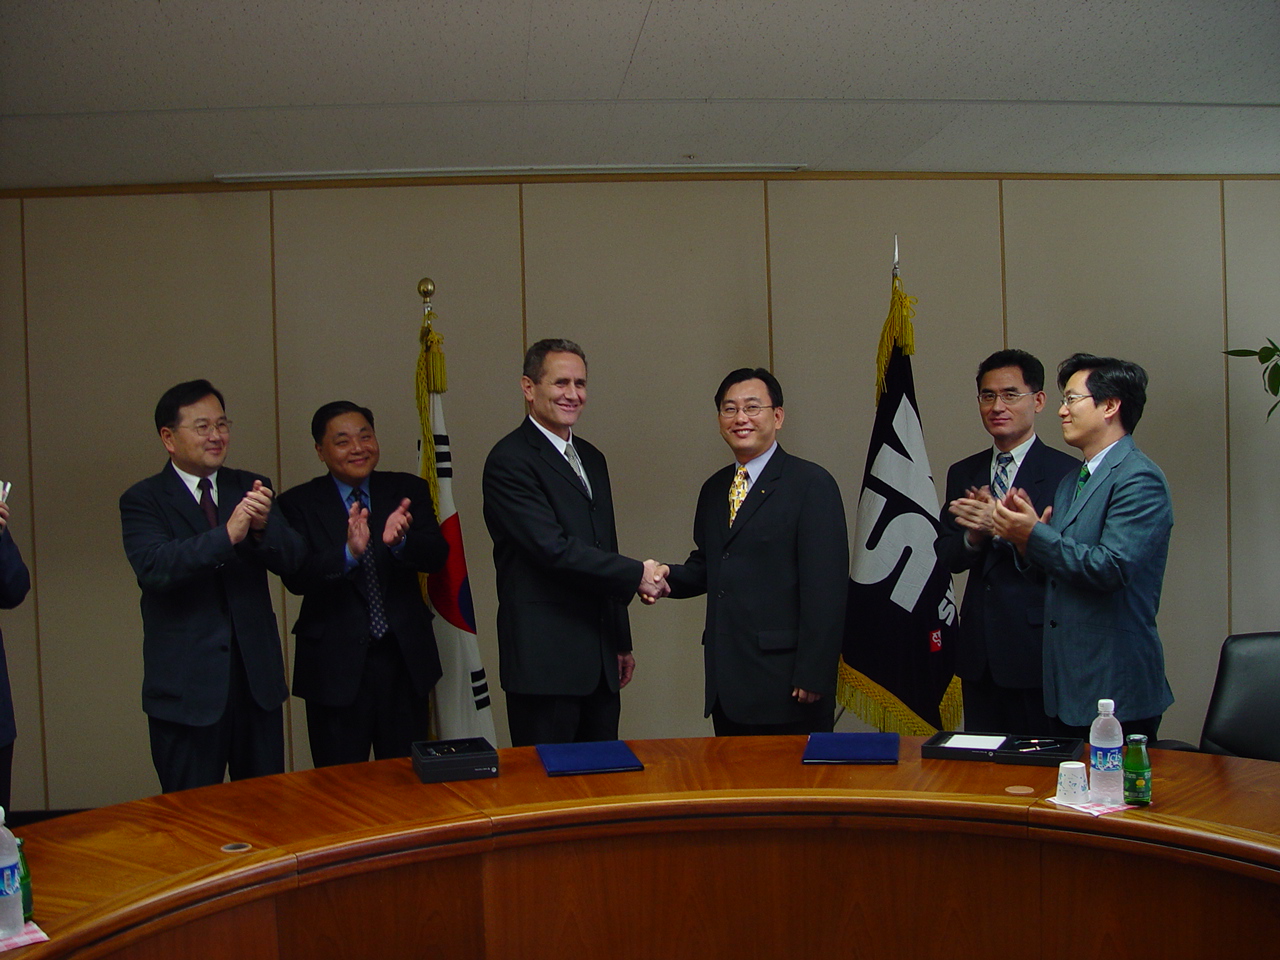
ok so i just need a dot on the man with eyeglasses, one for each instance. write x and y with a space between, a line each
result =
772 556
200 538
1101 549
998 658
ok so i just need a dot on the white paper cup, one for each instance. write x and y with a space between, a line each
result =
1073 782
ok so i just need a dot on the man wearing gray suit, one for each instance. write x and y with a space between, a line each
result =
1102 548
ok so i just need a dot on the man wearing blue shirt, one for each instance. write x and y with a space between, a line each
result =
365 659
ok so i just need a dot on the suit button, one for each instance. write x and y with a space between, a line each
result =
1053 623
721 594
725 555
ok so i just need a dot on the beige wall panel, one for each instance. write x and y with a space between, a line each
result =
19 625
127 296
832 257
348 263
1253 315
663 284
1134 270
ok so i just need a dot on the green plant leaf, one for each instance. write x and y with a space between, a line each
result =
1273 380
1241 353
1273 409
1267 354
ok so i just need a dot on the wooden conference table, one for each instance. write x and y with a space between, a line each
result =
719 848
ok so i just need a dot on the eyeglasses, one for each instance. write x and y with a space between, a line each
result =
1071 398
729 410
203 428
1009 397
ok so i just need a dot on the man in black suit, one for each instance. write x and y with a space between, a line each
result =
1002 615
772 555
200 538
366 658
564 639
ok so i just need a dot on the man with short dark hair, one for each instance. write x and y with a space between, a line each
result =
1102 549
771 553
1002 616
200 538
564 638
365 658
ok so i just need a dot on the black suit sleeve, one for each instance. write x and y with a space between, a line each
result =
15 580
689 579
161 559
822 543
515 493
321 565
950 546
424 549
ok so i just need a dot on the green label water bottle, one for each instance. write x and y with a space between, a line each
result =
1137 771
24 878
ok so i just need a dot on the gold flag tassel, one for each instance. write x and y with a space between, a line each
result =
897 330
430 378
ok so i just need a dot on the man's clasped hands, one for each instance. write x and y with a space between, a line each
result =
1010 518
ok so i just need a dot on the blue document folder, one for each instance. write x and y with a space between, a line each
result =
602 756
851 748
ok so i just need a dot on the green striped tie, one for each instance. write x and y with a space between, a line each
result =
1082 479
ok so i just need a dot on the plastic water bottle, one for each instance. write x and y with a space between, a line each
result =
10 883
1106 756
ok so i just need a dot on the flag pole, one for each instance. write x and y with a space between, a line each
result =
460 704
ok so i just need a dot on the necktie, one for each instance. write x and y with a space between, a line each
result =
572 456
1000 482
1081 480
206 502
737 493
369 576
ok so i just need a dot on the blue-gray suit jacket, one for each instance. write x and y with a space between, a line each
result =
1103 555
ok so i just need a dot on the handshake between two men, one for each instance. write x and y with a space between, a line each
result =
653 583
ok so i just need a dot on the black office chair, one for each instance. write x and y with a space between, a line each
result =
1243 719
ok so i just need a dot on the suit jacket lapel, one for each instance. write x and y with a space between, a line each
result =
760 491
183 502
334 510
1098 479
555 459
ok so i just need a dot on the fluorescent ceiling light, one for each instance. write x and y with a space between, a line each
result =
605 168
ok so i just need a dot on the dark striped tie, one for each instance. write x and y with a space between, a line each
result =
369 574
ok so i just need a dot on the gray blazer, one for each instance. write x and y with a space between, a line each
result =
1103 554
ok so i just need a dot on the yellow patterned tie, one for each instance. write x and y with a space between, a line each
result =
737 492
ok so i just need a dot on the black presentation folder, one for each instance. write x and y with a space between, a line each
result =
851 748
601 756
435 761
1031 751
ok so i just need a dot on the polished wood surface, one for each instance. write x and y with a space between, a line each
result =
719 847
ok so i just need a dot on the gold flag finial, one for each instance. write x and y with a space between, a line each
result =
431 373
